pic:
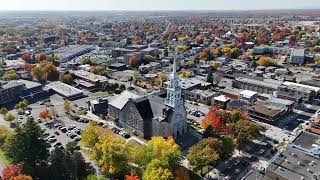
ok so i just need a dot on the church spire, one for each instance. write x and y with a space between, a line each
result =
174 90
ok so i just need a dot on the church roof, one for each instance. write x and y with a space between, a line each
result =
121 100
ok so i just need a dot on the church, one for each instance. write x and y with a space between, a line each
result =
151 115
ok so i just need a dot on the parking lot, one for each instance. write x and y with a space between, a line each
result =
59 128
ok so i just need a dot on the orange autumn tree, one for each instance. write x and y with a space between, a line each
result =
222 121
44 114
13 172
132 178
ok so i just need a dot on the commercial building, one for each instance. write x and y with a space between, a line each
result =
91 78
297 56
299 90
68 53
20 89
267 86
64 90
200 96
300 160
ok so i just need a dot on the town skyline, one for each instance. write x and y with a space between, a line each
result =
147 5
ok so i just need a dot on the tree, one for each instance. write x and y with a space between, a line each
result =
62 165
167 151
28 148
22 105
228 146
181 49
215 65
44 114
246 131
3 110
133 60
235 53
25 57
9 117
10 75
4 133
266 61
41 57
67 106
13 172
93 177
112 155
37 73
90 136
148 58
83 169
67 78
132 178
51 72
208 132
204 153
155 171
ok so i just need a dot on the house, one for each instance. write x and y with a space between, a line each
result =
248 96
297 56
221 101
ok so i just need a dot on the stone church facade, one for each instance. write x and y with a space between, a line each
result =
151 115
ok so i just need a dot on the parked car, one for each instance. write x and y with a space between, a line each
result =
57 144
27 113
56 133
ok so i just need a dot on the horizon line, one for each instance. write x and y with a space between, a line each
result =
157 10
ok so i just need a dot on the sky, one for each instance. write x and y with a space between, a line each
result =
150 5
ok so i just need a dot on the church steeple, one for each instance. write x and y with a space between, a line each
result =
174 90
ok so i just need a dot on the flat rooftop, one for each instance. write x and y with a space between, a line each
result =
89 76
64 89
307 140
294 164
265 83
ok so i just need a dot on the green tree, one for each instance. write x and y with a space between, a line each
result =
209 132
228 146
4 133
204 153
93 177
91 135
3 110
10 75
67 106
37 73
28 148
62 165
246 131
155 171
9 117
